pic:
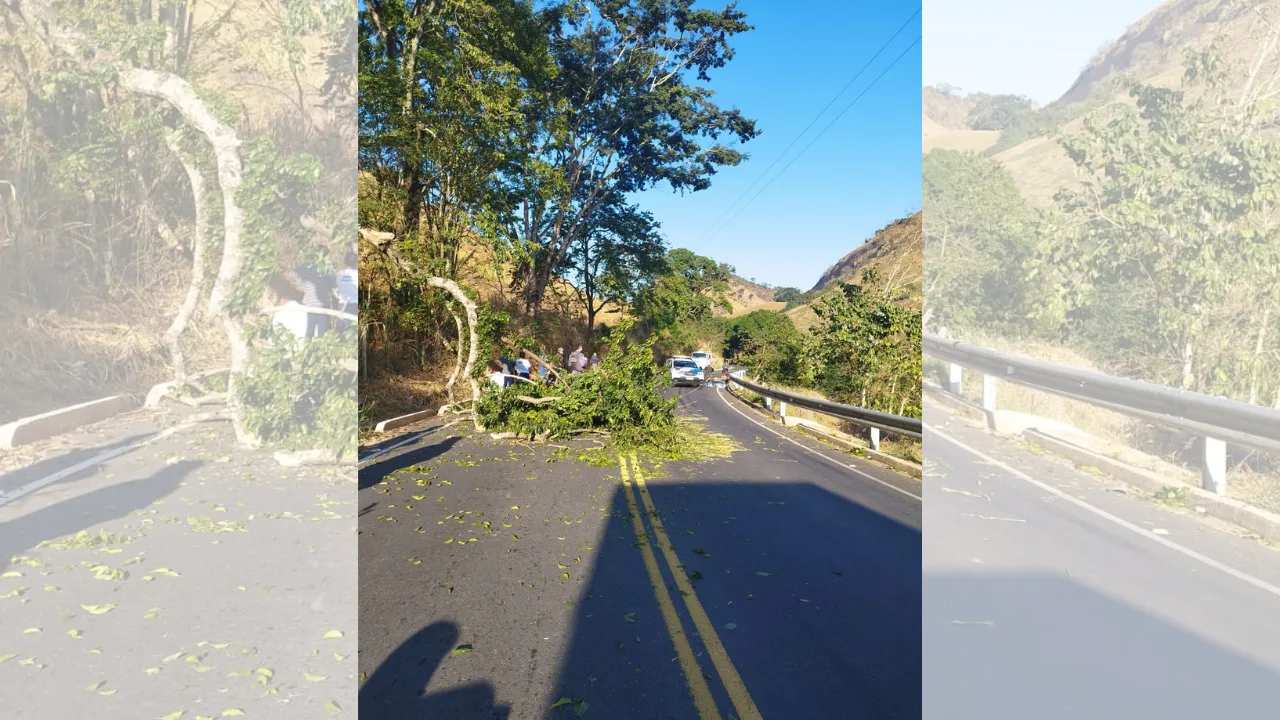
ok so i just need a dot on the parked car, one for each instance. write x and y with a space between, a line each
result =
684 371
703 359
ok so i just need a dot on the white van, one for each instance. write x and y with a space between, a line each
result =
703 359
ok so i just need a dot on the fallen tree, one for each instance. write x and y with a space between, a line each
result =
622 397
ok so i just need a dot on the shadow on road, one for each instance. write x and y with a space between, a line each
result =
397 689
816 600
371 475
13 480
89 510
1024 645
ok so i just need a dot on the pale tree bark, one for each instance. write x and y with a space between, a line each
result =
384 241
199 246
179 94
43 22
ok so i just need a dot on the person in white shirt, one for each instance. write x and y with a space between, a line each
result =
523 368
496 375
348 281
292 317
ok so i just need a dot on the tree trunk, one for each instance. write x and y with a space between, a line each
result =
226 149
384 241
199 245
457 365
1255 379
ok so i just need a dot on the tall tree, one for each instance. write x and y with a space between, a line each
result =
618 253
625 111
688 288
444 91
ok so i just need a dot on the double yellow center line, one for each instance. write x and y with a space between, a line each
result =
633 480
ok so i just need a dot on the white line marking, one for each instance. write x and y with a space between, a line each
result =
815 452
1188 552
34 485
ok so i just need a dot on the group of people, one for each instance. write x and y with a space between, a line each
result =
504 372
315 289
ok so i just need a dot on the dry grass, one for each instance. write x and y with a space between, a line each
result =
51 358
961 140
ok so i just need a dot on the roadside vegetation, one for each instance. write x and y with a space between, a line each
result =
158 168
1160 263
503 191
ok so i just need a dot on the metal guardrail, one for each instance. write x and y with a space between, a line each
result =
873 419
1215 419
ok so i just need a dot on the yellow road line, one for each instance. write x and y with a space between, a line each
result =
729 677
702 698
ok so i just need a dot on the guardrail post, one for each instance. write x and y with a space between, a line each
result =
782 411
768 403
956 377
988 392
1213 466
875 439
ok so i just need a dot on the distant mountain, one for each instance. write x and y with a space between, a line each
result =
896 254
1151 50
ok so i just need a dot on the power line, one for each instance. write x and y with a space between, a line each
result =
815 119
815 137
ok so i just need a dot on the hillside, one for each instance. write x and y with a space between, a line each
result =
746 296
945 122
895 252
1150 50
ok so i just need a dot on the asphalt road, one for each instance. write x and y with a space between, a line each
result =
498 579
146 574
1052 593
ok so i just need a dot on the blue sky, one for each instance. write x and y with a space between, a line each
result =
862 174
1033 48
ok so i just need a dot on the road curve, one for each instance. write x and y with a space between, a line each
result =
1052 593
776 582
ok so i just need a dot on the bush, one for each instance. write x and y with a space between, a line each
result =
297 395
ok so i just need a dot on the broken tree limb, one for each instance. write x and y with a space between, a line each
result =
538 401
544 364
173 336
457 364
384 242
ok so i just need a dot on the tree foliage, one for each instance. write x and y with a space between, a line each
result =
978 243
866 346
625 110
622 396
1166 256
770 344
1000 112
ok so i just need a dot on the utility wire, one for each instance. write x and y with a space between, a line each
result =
815 137
709 231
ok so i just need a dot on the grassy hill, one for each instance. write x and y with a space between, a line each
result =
1150 50
746 296
895 251
945 123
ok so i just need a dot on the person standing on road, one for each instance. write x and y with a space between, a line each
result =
522 368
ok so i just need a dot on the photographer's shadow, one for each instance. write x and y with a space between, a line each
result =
397 689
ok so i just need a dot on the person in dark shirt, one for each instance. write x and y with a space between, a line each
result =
317 290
